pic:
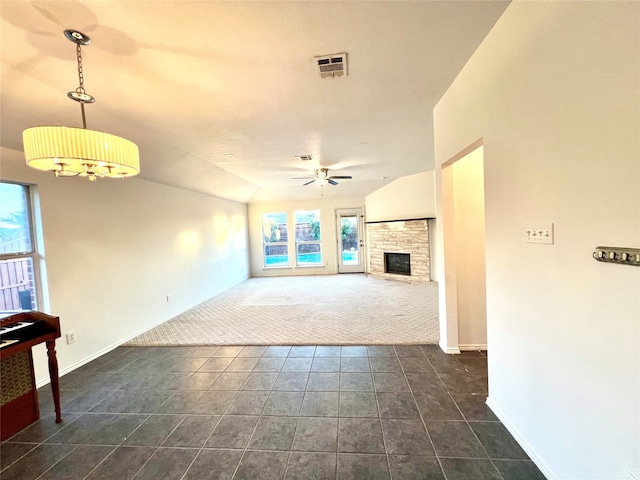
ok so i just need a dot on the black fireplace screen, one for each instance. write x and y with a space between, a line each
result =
399 263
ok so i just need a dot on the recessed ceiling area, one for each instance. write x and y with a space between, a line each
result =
221 97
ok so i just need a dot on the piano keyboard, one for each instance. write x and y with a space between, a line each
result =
14 327
6 343
11 330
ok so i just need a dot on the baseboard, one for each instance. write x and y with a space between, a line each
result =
540 463
473 347
449 350
113 346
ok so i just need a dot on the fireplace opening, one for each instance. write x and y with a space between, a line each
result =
398 263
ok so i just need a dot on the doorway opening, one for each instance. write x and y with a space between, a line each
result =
350 238
464 244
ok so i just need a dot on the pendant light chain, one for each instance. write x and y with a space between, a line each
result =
80 71
80 89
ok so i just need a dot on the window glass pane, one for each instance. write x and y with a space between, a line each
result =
309 253
15 235
349 232
276 255
17 276
307 225
17 286
274 227
275 237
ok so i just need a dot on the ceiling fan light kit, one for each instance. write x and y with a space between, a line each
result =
72 152
321 177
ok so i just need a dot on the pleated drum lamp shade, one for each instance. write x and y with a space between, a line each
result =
69 151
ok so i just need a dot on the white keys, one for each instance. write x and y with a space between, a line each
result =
12 328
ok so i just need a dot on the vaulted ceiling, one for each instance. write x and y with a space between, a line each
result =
221 96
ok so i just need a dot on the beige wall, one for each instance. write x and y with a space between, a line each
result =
553 93
114 250
408 197
327 207
468 213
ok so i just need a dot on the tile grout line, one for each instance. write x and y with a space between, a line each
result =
470 427
244 451
81 444
404 369
337 469
134 430
295 432
35 444
466 420
55 463
424 423
159 446
148 416
464 417
223 414
384 441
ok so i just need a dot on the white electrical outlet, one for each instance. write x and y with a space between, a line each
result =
168 298
539 233
71 338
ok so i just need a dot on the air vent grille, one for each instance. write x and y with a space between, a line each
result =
304 158
331 66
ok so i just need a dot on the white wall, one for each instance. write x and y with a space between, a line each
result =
553 92
327 207
114 250
468 212
408 197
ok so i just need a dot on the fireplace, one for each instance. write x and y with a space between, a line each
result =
406 242
397 263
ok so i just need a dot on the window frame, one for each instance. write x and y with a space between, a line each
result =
297 242
33 254
266 243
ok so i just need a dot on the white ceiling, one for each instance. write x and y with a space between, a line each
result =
192 82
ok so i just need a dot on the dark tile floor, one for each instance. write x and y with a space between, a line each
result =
305 412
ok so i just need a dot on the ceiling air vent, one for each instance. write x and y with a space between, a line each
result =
304 158
330 66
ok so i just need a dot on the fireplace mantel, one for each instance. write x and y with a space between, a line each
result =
400 220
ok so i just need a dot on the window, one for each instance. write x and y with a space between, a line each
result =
17 250
308 251
275 239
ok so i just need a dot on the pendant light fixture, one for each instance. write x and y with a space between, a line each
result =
72 152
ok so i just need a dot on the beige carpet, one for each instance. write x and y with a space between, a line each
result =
311 310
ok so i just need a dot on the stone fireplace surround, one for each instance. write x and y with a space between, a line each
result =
400 236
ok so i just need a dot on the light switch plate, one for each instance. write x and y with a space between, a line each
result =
539 233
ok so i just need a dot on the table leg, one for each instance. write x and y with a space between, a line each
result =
53 374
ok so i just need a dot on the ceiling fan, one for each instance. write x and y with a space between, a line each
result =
321 177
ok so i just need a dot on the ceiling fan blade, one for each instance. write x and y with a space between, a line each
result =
304 184
332 182
344 177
